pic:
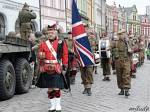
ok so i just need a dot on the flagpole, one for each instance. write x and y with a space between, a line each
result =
66 13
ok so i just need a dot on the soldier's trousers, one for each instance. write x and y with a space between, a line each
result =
113 64
25 34
87 76
123 73
106 66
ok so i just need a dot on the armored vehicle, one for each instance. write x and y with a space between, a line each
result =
15 71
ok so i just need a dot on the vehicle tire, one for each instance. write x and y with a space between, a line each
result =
7 80
23 76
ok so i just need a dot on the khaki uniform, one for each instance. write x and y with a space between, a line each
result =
112 46
87 76
25 17
123 63
105 63
87 72
141 53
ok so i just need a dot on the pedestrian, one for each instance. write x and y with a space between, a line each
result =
123 63
148 51
72 62
94 45
113 43
87 74
52 65
104 49
32 60
142 50
35 49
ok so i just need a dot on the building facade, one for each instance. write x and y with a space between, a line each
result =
68 15
115 18
145 25
53 12
100 16
121 18
82 7
133 20
9 10
91 12
109 21
148 10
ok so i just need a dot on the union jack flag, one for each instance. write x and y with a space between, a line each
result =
80 39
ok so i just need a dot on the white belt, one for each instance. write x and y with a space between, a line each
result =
50 61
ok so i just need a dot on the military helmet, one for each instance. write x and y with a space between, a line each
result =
38 34
26 6
131 36
121 31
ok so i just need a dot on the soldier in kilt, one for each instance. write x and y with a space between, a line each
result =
52 65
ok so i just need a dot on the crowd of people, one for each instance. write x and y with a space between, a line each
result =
52 57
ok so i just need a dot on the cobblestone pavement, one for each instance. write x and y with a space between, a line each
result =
103 99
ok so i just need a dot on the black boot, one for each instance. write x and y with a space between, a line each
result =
105 78
133 76
89 93
85 91
121 92
127 93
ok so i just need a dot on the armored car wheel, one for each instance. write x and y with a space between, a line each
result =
7 80
23 76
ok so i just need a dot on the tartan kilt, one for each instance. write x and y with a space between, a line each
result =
46 80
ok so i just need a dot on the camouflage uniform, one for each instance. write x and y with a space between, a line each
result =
94 45
25 17
112 44
122 59
141 53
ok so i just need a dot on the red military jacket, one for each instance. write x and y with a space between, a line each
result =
49 56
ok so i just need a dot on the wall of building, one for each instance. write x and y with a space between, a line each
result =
100 15
9 9
109 21
53 11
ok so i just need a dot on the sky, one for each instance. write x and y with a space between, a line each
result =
140 4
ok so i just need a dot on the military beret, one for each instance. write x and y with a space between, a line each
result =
69 32
52 26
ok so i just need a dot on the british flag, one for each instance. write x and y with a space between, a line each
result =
80 39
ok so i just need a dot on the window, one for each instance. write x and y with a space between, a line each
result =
2 24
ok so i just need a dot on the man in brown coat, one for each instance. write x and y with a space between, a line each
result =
122 59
